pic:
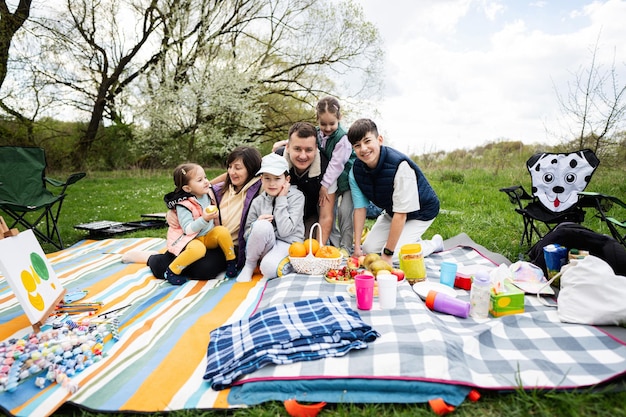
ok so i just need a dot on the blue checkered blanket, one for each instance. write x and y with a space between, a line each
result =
299 331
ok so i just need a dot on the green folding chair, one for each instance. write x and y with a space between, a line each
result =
24 195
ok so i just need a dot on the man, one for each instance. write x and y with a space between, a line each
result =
306 168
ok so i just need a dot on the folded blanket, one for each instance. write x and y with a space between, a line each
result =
301 331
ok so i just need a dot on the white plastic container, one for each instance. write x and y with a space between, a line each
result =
480 294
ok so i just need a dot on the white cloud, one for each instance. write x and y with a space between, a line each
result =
461 73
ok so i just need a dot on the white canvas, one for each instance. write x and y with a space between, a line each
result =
30 275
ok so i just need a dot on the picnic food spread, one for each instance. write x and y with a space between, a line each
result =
344 275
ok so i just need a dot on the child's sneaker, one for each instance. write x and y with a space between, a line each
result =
231 269
246 274
438 243
173 278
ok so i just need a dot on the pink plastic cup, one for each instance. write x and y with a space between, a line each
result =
364 288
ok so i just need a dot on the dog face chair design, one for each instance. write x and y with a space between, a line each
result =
556 179
24 196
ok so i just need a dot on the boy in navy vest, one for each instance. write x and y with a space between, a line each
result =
392 181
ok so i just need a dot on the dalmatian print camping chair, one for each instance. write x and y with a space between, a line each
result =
556 180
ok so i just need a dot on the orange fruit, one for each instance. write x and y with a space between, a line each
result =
328 252
315 245
297 250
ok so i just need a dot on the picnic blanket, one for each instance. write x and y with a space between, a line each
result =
533 350
158 359
305 330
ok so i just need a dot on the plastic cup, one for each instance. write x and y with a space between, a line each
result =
364 288
387 290
447 273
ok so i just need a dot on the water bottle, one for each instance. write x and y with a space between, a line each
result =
480 294
444 303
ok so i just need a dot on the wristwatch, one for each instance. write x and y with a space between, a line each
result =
388 252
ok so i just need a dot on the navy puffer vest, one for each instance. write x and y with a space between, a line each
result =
377 184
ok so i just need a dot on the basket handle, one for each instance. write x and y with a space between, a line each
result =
319 236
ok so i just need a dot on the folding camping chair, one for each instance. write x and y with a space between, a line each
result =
603 203
23 193
556 180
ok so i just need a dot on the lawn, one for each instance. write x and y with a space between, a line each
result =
470 202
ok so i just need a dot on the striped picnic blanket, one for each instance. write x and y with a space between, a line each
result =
160 358
158 362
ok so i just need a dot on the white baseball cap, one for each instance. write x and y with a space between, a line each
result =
273 164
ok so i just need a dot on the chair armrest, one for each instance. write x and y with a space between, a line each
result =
69 181
517 194
73 178
599 201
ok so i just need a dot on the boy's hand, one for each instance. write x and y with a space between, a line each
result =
386 258
267 217
285 189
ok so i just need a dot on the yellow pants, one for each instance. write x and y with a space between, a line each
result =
196 249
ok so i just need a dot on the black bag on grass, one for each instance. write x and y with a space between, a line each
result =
575 236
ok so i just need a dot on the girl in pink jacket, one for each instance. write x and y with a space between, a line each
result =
193 223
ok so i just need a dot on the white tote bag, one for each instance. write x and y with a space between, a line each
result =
591 293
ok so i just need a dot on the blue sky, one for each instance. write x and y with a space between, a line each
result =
461 73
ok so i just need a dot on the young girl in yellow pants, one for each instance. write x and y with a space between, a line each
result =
194 223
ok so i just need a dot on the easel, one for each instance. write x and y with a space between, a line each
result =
7 233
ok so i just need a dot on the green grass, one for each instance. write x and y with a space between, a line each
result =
471 203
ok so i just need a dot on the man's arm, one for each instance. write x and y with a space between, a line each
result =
219 178
326 217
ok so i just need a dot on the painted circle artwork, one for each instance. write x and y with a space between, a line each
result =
39 265
31 280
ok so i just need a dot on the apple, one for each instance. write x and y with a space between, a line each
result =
361 259
398 273
353 262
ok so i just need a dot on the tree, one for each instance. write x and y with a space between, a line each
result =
98 52
596 106
196 75
284 53
10 23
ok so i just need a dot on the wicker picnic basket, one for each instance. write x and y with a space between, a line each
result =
312 265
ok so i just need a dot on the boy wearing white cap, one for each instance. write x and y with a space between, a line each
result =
274 220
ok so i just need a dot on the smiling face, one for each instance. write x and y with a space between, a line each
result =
238 173
368 149
557 178
301 151
328 123
197 182
273 184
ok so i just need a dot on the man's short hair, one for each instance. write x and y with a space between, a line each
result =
360 129
303 130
